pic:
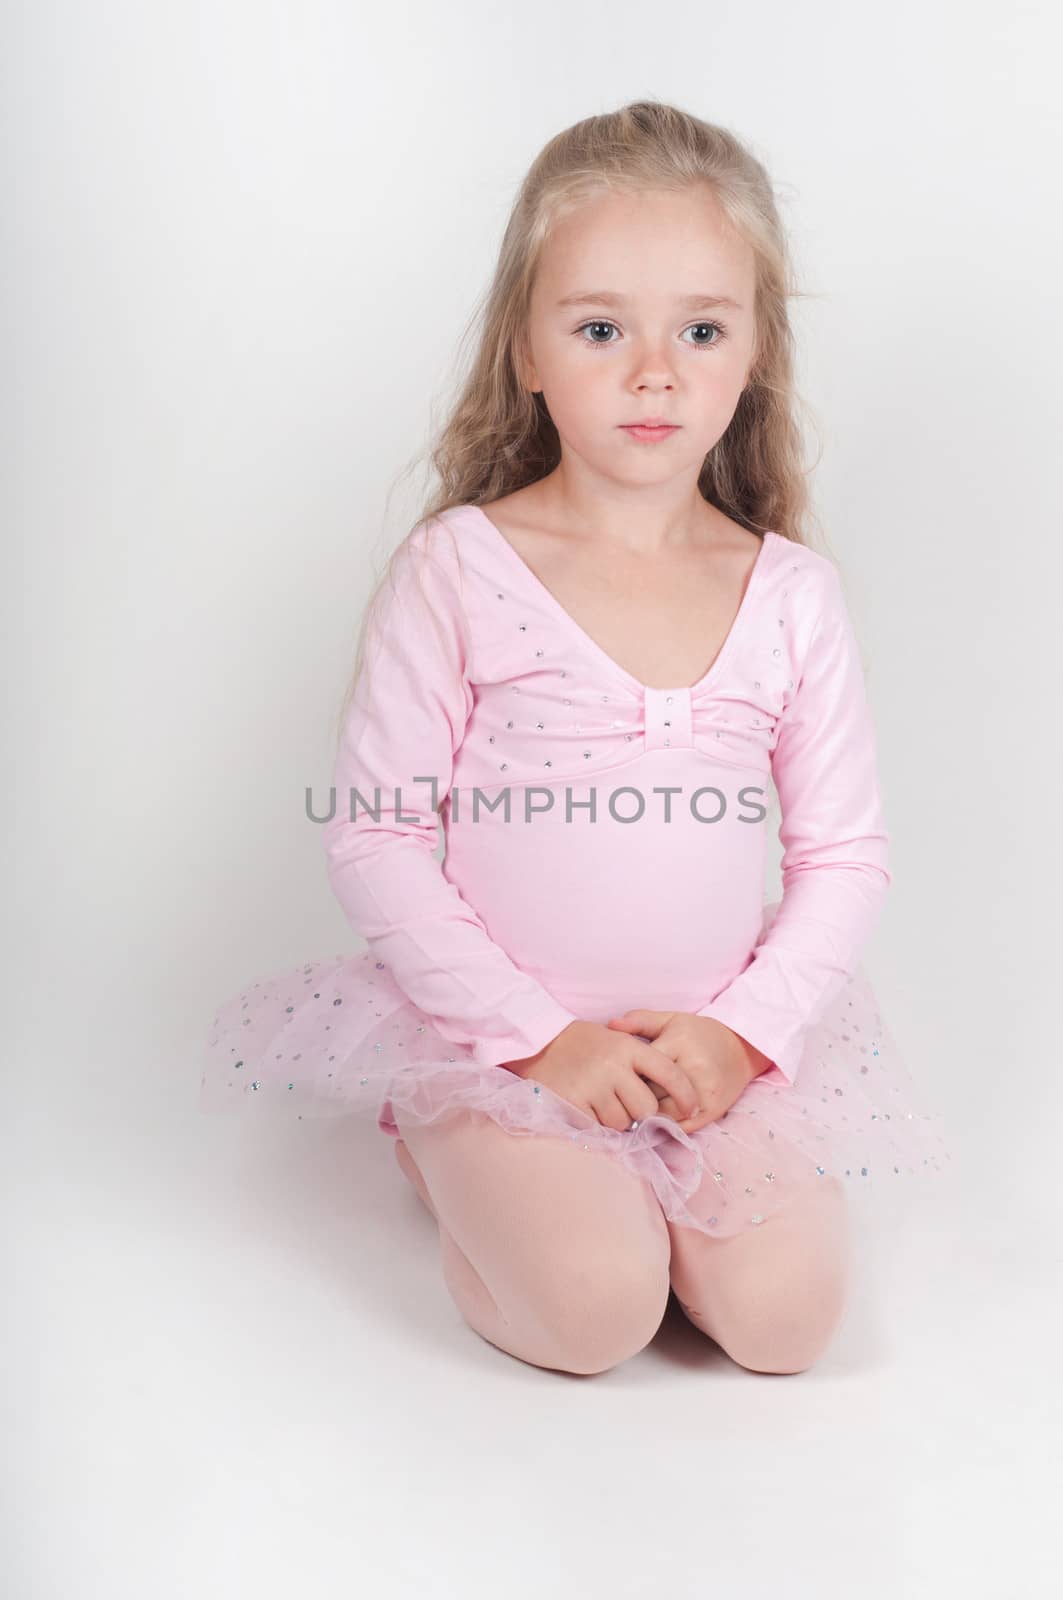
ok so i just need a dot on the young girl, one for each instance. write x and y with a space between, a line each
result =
609 1068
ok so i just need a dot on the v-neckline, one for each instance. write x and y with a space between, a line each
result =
553 603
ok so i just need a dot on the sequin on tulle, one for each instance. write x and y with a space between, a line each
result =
362 1047
338 1036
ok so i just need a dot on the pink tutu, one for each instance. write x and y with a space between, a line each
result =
337 1036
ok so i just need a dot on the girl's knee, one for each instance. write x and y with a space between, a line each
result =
582 1320
600 1313
571 1253
789 1331
782 1347
773 1300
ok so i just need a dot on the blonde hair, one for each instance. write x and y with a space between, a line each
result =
499 437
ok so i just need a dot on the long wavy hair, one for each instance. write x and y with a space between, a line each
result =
498 436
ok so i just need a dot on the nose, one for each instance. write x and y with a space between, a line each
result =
653 370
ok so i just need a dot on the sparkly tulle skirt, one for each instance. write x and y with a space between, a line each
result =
338 1037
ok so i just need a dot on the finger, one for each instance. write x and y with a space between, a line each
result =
657 1088
695 1124
638 1098
612 1113
668 1108
670 1075
622 1025
640 1020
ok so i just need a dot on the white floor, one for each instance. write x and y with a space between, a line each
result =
237 1372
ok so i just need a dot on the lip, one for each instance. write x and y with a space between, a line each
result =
650 422
649 431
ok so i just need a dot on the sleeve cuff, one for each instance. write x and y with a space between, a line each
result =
782 1050
528 1034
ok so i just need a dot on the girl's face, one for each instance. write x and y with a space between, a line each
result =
642 308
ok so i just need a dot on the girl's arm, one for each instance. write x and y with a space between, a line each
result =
406 723
835 846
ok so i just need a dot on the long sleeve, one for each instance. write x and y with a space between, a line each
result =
835 846
411 705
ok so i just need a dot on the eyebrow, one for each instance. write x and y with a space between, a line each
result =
604 298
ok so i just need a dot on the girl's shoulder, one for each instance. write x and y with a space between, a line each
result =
442 538
428 559
807 575
802 558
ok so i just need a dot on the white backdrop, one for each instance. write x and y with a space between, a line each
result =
242 242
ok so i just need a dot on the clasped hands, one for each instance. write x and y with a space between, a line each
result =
719 1063
677 1057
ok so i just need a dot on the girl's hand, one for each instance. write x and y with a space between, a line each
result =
717 1061
611 1077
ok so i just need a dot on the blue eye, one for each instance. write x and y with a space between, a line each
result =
599 322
